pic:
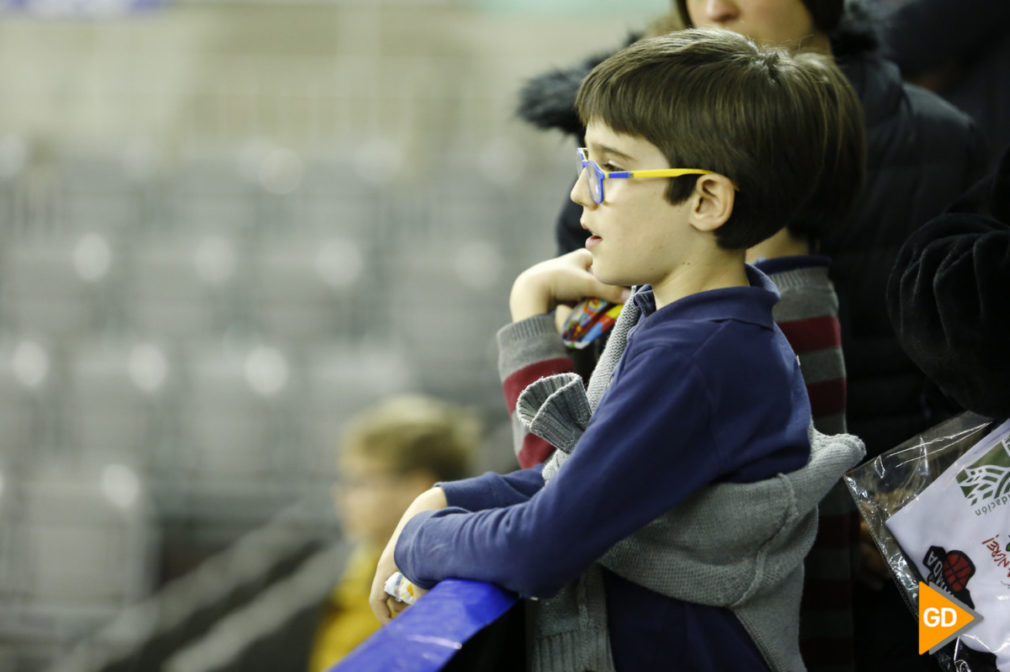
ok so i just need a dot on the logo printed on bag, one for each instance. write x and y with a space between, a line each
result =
950 571
941 618
986 482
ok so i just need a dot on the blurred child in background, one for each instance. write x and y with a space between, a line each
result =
387 456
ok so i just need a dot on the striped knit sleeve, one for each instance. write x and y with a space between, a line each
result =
808 316
527 351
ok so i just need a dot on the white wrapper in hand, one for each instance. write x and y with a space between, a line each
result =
400 588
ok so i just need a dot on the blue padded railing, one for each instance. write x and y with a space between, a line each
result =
429 633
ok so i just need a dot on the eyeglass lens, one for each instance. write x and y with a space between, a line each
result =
594 178
596 184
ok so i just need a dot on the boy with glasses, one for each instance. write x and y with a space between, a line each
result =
672 523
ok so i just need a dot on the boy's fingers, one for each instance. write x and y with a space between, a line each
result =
583 257
396 607
377 597
612 293
617 294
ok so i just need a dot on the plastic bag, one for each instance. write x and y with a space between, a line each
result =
951 485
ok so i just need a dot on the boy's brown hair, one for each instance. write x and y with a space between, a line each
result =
786 129
414 433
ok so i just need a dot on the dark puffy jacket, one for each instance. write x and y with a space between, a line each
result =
949 299
922 154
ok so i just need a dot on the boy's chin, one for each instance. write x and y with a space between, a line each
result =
609 278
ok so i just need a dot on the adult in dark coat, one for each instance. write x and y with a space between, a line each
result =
949 299
961 50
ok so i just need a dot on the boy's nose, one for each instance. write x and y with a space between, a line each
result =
580 192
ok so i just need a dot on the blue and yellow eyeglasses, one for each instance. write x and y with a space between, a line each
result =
598 175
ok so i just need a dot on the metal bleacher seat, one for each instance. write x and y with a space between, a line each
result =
14 157
343 378
109 189
144 635
239 432
122 397
81 548
30 389
273 631
308 288
88 534
185 284
442 309
60 285
213 188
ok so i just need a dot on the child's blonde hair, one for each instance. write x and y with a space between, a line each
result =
414 433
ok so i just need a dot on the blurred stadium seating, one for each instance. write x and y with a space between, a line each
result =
224 228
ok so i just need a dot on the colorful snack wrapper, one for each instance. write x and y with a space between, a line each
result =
589 320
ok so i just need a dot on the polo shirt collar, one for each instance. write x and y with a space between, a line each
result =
747 304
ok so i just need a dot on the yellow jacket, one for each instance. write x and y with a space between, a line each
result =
347 620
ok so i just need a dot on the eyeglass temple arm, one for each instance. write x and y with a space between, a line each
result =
660 172
664 172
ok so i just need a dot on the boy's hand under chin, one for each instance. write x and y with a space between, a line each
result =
562 280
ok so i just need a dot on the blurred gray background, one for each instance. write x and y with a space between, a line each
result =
225 226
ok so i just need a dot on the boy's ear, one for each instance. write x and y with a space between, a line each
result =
712 202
